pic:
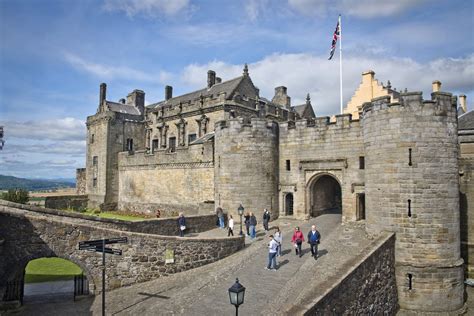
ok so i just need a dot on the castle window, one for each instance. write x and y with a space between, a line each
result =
409 156
191 138
129 144
361 162
154 145
288 165
92 138
409 208
172 144
95 160
94 182
410 281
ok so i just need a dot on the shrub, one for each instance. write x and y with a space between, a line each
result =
16 195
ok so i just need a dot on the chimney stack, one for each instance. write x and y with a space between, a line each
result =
122 101
168 92
218 80
103 92
462 102
211 78
136 98
436 86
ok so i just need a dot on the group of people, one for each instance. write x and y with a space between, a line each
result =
275 242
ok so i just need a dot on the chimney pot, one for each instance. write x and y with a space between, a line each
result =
211 78
462 102
436 86
168 92
103 93
218 80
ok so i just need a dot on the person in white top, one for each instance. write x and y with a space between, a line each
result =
231 226
272 251
279 238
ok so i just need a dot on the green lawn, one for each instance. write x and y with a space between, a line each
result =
50 269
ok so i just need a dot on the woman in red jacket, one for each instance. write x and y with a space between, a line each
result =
297 240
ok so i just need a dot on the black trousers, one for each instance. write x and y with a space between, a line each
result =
231 232
314 249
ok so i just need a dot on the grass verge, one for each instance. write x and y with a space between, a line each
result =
50 269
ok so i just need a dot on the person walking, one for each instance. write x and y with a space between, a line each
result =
253 225
314 237
279 238
297 240
247 222
230 226
181 224
272 251
266 219
220 216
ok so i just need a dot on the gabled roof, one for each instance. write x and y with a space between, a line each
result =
228 87
466 121
304 110
122 108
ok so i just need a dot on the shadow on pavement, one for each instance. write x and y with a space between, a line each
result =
148 296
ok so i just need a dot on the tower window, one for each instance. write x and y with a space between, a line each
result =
409 208
172 144
410 281
191 138
288 165
92 138
95 160
129 144
94 182
409 157
361 162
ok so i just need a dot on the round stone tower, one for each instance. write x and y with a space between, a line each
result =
411 186
246 166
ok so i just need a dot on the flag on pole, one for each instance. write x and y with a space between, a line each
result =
336 35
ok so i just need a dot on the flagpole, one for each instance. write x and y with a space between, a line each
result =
340 59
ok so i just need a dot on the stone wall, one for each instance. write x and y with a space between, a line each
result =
312 148
368 288
73 202
246 166
143 257
81 181
412 188
168 183
466 203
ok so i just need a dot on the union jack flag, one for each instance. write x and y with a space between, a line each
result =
336 35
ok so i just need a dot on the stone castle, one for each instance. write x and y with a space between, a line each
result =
392 160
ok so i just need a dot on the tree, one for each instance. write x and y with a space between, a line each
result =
16 195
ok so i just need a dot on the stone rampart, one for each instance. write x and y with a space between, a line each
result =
412 188
29 235
73 202
81 181
367 288
246 166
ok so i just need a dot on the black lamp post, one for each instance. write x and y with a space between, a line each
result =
241 212
236 295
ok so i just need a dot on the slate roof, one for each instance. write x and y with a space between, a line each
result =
227 86
122 108
203 139
304 110
466 121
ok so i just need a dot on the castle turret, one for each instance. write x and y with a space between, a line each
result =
246 167
412 189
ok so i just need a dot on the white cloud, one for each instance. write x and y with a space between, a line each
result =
253 8
305 73
358 8
149 8
114 72
64 129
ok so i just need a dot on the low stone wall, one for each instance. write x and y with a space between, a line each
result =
369 288
159 226
29 235
73 202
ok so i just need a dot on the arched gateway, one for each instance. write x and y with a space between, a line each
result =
324 195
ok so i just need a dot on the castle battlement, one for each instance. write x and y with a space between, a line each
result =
239 125
319 125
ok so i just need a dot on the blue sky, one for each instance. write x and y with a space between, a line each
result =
54 55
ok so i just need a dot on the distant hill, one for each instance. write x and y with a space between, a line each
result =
9 182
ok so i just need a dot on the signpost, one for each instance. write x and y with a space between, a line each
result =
99 246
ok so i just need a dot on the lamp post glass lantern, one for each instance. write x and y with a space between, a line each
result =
236 295
241 212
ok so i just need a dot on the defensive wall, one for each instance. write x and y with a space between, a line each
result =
73 202
27 234
166 182
246 170
367 287
412 189
311 148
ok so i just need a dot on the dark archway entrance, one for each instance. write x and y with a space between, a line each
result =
325 196
289 204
